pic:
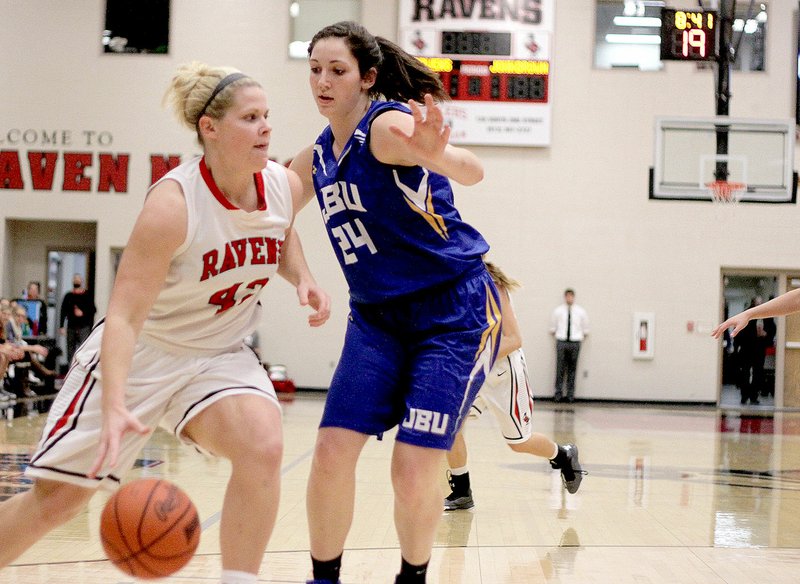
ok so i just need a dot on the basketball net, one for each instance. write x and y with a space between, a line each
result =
725 192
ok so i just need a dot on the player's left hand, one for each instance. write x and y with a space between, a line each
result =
430 135
318 299
116 423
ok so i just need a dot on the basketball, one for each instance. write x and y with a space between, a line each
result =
150 528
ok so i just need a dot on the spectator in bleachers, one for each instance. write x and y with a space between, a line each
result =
15 333
18 326
9 353
37 309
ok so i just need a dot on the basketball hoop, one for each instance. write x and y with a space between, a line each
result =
725 192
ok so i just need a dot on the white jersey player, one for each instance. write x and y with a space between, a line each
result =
507 392
171 350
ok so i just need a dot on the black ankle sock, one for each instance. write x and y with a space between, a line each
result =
328 570
560 458
460 484
411 574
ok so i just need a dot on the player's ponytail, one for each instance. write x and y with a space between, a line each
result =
403 76
501 279
400 76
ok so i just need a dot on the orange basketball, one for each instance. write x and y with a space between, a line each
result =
150 528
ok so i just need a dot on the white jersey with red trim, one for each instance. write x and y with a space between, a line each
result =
209 301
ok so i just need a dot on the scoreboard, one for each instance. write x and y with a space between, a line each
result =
495 66
493 81
498 79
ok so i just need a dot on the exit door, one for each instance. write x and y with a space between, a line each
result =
62 265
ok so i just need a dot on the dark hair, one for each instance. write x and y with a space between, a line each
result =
401 76
569 291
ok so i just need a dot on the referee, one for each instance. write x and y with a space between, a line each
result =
569 324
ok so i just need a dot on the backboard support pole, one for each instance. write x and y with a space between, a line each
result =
723 90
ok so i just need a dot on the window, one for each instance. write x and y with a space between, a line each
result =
627 34
750 36
136 26
309 16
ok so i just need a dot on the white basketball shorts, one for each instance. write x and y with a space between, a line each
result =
163 389
507 392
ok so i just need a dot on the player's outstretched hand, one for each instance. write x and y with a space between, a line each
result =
430 135
738 322
318 299
116 423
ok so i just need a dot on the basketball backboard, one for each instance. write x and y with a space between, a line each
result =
693 153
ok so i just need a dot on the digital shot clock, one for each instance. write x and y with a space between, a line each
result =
689 35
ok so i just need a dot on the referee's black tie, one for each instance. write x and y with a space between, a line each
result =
569 323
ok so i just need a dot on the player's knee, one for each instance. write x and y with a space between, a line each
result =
410 492
327 457
412 486
270 452
57 502
262 451
336 452
517 446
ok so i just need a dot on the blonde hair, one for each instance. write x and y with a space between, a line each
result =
192 86
500 278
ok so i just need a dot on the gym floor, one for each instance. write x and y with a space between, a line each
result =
673 495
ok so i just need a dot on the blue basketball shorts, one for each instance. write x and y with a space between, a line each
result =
416 362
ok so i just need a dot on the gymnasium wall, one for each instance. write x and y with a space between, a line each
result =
575 214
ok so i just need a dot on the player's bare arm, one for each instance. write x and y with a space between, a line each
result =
781 306
422 139
301 165
159 230
293 266
511 337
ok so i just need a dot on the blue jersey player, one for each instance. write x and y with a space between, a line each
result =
424 321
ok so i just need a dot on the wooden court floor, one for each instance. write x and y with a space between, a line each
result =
679 495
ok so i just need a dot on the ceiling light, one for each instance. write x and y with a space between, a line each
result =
637 21
633 39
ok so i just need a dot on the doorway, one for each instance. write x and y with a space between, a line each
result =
749 361
62 266
791 353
